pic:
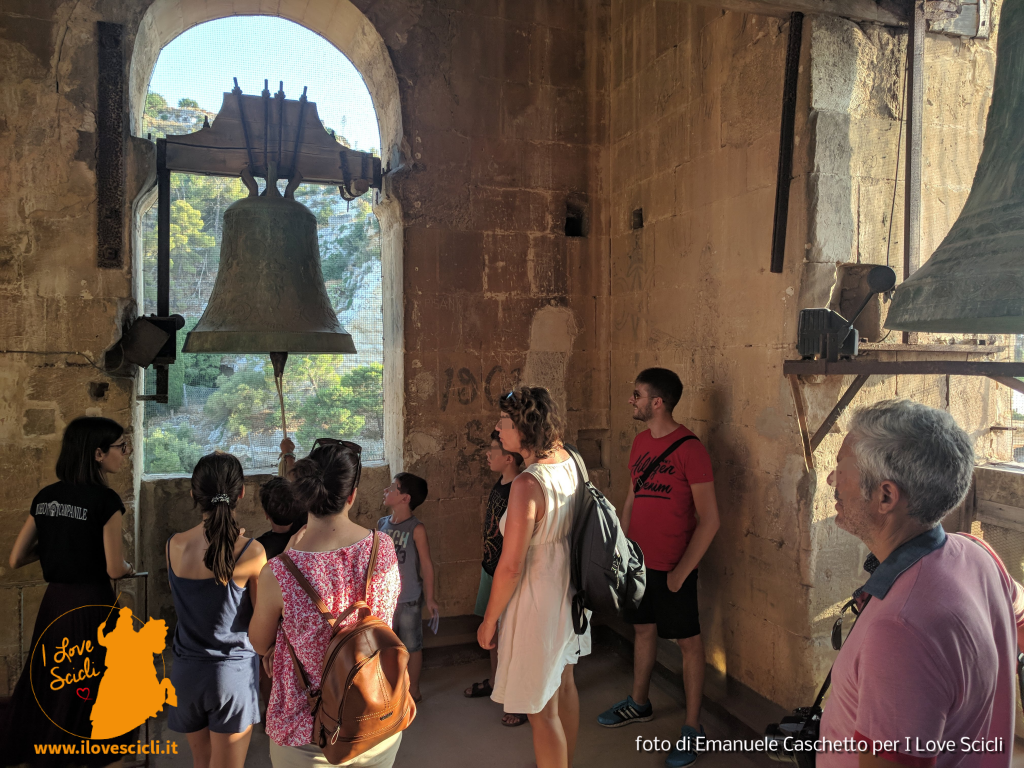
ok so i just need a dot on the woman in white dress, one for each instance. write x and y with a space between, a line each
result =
531 593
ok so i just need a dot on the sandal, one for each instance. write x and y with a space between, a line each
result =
520 719
478 690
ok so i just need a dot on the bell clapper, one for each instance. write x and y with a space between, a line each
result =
278 360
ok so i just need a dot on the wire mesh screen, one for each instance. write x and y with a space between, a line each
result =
1008 544
229 402
1018 403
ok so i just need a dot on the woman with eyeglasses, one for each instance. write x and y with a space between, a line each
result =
74 530
530 593
333 553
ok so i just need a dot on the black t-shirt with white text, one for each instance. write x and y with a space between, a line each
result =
497 504
69 520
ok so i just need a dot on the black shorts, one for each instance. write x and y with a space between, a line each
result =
675 613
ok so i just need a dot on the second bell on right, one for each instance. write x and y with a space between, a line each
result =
974 281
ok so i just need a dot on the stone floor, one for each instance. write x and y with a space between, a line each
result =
453 730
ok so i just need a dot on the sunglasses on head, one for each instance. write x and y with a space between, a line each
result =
356 448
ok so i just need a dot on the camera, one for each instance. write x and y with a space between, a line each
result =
792 740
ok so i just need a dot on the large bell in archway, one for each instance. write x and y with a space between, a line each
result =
974 282
269 295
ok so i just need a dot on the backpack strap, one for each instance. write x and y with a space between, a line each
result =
334 622
371 565
654 464
308 588
580 465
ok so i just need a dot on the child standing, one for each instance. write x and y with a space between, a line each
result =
283 513
509 464
405 493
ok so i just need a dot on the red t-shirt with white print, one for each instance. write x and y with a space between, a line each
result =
664 516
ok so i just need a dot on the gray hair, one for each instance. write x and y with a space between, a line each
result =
921 449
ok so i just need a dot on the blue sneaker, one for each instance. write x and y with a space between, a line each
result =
625 712
680 757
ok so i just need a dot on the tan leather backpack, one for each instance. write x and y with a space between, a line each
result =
363 697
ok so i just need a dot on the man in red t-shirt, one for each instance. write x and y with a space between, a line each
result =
673 516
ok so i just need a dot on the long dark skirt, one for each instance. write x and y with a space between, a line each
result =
53 699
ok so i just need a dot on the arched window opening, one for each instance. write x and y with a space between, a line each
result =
229 402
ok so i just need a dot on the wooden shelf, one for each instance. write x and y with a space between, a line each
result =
870 366
952 349
865 366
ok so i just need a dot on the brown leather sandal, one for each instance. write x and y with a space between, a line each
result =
520 719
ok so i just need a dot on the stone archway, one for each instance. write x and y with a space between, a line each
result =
345 27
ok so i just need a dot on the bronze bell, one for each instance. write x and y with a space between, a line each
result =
269 295
974 282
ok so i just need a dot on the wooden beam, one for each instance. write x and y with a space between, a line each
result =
1015 384
890 12
833 417
801 417
915 125
1001 515
787 141
901 368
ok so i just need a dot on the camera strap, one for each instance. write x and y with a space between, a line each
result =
654 464
828 678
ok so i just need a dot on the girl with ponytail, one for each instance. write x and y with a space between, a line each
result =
213 571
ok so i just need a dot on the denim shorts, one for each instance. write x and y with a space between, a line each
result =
220 695
408 624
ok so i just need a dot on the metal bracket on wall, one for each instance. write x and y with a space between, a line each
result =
110 138
863 369
959 18
787 141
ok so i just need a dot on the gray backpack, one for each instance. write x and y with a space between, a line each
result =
606 568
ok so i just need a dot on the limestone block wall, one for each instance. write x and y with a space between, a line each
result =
695 109
58 310
500 115
505 114
695 105
856 84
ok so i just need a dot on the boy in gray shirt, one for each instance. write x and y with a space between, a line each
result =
406 492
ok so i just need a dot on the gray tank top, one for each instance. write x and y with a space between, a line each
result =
408 556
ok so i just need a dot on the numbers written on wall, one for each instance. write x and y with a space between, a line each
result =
462 386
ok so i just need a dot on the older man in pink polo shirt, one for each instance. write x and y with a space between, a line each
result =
926 676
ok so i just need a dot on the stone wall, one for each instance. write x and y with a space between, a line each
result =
695 109
695 105
521 138
58 310
494 119
504 107
856 72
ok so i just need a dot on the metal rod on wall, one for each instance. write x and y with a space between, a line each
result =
163 254
787 141
163 231
912 171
